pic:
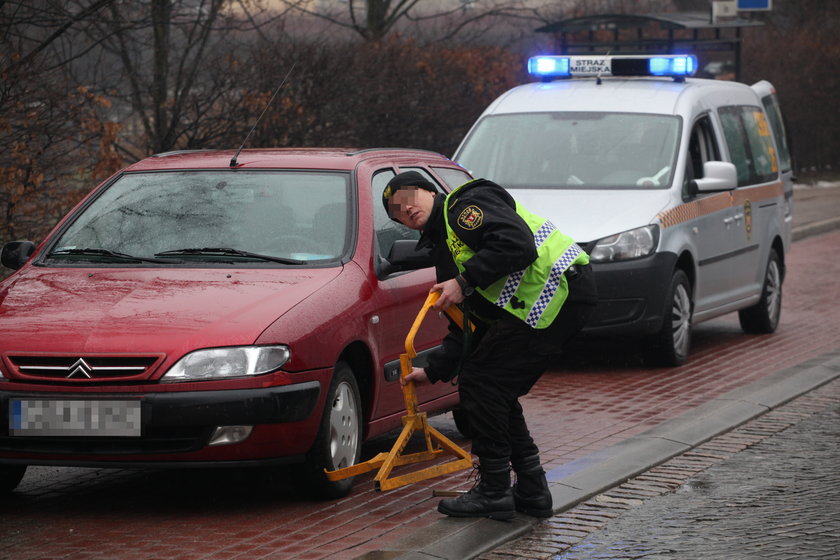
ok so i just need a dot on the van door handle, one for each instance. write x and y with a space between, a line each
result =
738 217
728 221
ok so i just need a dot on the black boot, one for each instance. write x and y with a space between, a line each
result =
531 494
492 497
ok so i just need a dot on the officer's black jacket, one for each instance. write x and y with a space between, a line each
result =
483 216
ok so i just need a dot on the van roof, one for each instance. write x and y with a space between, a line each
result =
624 95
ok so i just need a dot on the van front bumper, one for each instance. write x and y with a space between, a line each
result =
631 295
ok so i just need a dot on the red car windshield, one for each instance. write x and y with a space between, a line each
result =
223 216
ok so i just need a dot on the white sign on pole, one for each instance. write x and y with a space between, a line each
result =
723 10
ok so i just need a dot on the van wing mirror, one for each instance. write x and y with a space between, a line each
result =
16 253
403 256
717 176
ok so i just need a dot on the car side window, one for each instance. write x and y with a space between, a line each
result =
702 147
750 144
453 178
387 230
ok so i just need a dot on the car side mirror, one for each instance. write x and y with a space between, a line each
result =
16 253
717 176
405 256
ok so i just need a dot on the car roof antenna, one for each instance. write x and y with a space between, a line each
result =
267 105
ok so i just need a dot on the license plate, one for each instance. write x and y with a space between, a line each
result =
46 417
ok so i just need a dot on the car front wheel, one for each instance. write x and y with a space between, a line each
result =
338 443
670 346
763 317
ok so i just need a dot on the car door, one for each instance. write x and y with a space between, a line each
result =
711 230
770 101
757 199
399 298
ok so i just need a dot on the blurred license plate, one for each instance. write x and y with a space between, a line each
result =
43 417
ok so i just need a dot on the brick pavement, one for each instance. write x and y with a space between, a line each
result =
599 399
768 489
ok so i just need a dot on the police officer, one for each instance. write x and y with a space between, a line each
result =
529 289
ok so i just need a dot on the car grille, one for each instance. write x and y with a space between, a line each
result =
168 439
82 369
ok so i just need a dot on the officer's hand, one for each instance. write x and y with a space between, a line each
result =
418 375
450 292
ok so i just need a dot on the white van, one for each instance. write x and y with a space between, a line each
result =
678 188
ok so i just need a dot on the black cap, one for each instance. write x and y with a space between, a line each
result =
402 180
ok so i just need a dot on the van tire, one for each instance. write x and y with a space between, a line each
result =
339 440
763 317
670 346
10 477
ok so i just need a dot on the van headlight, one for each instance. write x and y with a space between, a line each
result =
633 244
225 363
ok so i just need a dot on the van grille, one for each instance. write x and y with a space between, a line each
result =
82 369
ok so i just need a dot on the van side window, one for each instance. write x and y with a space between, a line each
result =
387 230
777 124
702 147
750 144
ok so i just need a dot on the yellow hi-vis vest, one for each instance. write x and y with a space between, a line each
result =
535 294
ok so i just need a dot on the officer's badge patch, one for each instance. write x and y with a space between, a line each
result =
471 218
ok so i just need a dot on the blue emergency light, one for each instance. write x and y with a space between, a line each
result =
549 66
552 67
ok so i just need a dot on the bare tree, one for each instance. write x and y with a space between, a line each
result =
171 62
373 20
50 135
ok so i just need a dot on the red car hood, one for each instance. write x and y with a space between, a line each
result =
157 310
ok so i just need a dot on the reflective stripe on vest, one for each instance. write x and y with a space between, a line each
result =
515 278
553 283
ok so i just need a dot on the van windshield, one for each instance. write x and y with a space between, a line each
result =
233 217
573 150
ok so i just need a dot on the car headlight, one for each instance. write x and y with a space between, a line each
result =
639 242
224 363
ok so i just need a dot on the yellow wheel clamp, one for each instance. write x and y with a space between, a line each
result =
436 443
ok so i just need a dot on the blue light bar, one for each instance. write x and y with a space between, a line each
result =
549 66
672 65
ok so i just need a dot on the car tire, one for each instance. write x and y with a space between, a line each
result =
339 440
763 317
10 477
670 346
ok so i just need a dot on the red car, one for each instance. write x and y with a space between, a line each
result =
207 310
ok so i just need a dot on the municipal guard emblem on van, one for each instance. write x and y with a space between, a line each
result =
471 218
748 218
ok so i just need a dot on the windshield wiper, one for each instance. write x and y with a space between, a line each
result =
107 253
227 251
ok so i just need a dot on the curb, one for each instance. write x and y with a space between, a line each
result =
815 228
462 539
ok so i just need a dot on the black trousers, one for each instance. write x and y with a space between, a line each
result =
506 363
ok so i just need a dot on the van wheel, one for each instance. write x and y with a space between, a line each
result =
670 346
339 441
10 477
763 317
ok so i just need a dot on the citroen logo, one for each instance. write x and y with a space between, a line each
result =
80 369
